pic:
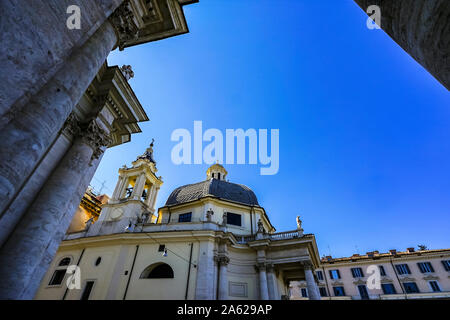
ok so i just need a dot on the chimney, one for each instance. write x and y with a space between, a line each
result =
393 252
409 250
354 256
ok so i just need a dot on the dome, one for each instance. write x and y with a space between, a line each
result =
216 188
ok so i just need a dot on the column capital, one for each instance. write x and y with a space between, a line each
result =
222 260
270 267
95 137
123 23
71 127
261 266
307 265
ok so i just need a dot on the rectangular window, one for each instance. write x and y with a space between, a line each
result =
323 291
161 248
446 264
334 274
234 219
57 278
402 269
425 267
357 273
410 287
363 292
339 291
185 217
319 275
87 290
382 271
388 288
304 293
435 286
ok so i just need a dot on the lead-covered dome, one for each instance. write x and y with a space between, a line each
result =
216 188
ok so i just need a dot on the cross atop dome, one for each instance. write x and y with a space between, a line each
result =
216 171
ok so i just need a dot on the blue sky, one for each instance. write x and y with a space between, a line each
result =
364 129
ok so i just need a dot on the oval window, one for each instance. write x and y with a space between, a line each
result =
97 262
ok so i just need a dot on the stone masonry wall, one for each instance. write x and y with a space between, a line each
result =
421 28
36 42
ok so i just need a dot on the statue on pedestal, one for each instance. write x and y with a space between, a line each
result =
299 223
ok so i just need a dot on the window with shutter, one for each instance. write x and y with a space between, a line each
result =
435 286
425 267
411 287
304 293
446 264
334 274
382 271
319 275
388 288
339 291
402 269
357 273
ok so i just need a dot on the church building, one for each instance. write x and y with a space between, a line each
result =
211 240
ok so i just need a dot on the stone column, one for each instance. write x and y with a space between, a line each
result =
26 138
154 197
263 289
313 289
26 255
223 277
119 187
272 283
18 207
138 187
151 193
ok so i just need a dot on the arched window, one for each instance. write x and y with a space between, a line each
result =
60 272
64 262
157 271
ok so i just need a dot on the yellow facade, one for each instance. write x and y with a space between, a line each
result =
206 253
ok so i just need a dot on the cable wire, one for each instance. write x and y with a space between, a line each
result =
147 234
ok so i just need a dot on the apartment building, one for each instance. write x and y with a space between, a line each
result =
412 274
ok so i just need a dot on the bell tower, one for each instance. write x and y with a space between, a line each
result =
134 197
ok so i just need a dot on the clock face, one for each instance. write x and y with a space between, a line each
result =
116 213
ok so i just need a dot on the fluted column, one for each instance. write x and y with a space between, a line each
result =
223 277
27 253
263 289
18 207
313 289
26 138
272 283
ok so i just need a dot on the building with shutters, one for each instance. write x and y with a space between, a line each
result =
411 274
